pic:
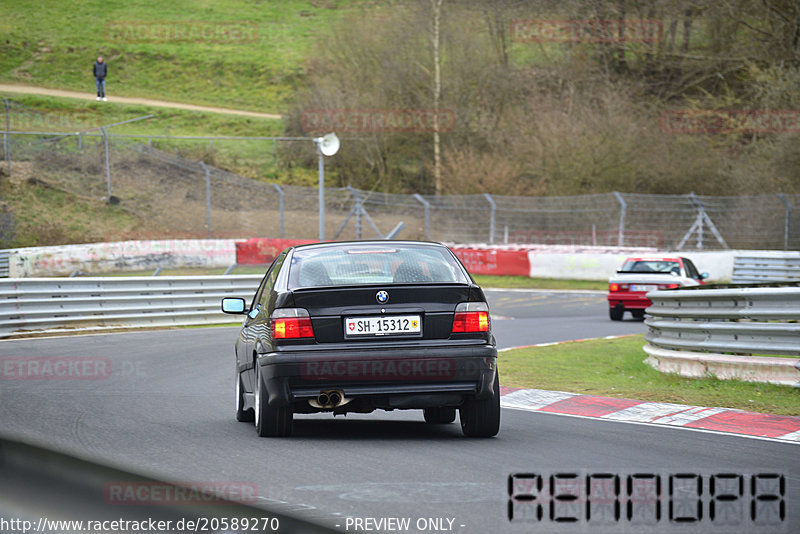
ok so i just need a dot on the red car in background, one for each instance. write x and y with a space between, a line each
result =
638 276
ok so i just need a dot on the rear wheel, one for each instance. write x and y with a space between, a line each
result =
241 413
480 418
270 421
440 416
616 313
637 314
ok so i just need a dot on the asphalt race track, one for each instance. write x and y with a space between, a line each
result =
165 409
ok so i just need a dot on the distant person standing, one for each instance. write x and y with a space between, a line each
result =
100 71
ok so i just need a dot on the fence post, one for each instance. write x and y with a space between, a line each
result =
357 210
6 134
208 197
427 206
280 205
108 164
491 220
787 222
623 208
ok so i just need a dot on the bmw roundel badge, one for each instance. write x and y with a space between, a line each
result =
382 297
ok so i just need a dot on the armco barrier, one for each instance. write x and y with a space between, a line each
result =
30 305
765 266
725 332
3 263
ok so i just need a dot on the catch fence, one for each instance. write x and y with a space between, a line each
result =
172 187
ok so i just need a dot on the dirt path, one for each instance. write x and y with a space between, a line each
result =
32 90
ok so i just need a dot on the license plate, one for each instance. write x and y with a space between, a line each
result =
382 326
644 287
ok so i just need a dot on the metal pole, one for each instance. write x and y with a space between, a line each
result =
491 220
321 165
700 218
787 222
208 197
427 206
280 204
108 165
623 208
5 137
358 209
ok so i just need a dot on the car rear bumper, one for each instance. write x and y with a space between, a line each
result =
394 375
629 301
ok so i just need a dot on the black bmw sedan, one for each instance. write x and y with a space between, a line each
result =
360 326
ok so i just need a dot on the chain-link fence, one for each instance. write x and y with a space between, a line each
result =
176 187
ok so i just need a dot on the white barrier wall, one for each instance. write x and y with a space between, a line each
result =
585 263
121 256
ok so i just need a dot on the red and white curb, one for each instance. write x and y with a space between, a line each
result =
780 427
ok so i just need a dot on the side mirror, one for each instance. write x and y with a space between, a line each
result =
233 305
704 276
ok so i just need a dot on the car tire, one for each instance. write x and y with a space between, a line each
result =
270 421
616 313
440 416
480 418
638 314
246 416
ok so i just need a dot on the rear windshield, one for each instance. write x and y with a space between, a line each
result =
356 264
651 266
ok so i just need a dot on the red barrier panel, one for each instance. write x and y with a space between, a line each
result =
259 250
499 262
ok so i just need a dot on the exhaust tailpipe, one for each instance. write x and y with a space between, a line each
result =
329 399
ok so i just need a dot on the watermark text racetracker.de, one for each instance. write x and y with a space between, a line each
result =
181 31
378 120
586 31
111 526
53 120
731 121
67 368
186 493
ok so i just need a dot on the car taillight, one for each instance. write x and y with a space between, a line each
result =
613 287
668 286
471 317
291 323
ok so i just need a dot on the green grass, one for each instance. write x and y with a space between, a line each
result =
616 368
503 282
52 43
46 215
251 158
188 271
524 282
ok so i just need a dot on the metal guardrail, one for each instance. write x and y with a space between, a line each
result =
755 269
32 305
4 263
727 332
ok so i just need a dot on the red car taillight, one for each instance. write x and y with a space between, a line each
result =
613 287
291 323
668 286
471 317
